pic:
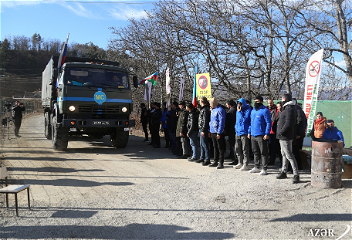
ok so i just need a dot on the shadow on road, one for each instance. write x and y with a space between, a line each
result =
53 169
131 231
46 158
73 214
136 149
69 182
315 217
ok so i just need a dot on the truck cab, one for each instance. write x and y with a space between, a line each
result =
88 97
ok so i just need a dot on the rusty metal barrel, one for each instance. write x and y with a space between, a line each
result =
326 164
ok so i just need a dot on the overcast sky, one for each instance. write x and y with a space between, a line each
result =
86 20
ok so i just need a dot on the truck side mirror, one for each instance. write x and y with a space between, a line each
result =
135 81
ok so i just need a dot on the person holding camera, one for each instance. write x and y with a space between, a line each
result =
17 116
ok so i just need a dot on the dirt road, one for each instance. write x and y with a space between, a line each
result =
93 191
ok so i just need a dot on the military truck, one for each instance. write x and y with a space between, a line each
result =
86 97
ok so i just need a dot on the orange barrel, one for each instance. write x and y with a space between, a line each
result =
326 164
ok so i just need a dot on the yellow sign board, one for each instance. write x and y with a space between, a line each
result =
203 86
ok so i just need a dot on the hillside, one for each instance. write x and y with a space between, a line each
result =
21 73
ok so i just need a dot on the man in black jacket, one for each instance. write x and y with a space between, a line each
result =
230 129
286 132
155 124
17 116
203 126
144 121
192 130
301 126
171 120
181 129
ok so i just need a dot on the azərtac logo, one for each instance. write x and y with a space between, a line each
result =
99 97
321 232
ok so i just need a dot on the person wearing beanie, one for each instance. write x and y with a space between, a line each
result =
203 126
259 132
181 129
192 130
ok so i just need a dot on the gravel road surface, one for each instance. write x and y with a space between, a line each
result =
93 191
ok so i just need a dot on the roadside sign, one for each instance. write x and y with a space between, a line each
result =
314 68
203 85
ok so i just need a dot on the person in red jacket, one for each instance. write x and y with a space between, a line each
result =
319 126
272 138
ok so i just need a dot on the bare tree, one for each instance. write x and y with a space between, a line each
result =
249 47
332 20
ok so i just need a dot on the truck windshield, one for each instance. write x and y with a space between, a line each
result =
95 77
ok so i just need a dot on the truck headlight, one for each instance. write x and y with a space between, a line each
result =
71 108
124 109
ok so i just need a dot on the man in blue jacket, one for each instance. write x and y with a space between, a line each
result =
332 132
216 129
243 121
163 123
259 131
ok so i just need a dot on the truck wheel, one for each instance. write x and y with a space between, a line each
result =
59 136
119 138
47 127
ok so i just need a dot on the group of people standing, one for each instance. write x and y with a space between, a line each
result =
264 131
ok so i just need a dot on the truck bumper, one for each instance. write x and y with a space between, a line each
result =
97 123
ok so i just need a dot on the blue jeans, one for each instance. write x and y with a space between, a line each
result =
193 138
204 146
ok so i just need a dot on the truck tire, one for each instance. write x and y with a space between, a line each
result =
59 136
47 126
119 138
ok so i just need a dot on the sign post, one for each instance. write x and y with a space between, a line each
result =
203 86
311 87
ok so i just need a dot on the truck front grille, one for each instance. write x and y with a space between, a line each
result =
98 109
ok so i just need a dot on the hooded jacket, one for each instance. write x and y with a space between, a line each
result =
204 119
260 122
17 112
182 122
144 115
301 124
333 134
192 122
155 117
286 125
171 119
243 118
217 120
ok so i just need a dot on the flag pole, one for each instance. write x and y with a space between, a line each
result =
194 100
